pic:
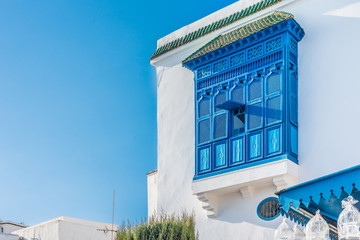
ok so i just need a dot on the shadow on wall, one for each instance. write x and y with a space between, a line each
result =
233 208
347 9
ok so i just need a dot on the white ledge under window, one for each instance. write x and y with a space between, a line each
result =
282 174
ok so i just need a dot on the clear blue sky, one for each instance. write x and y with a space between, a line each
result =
78 104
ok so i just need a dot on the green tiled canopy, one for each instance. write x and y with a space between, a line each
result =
214 26
240 33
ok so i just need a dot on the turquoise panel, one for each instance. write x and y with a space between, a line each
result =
274 141
237 151
294 140
220 155
204 159
255 146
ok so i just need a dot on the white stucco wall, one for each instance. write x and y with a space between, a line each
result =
7 236
328 59
328 116
44 231
66 228
9 227
152 181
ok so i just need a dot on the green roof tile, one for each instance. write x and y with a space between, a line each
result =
240 33
213 26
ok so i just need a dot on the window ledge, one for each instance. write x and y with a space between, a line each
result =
282 174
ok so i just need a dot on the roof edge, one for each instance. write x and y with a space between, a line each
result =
214 26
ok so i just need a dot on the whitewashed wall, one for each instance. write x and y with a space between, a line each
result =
7 236
66 228
10 227
329 89
152 181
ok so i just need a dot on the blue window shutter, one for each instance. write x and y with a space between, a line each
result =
293 84
255 146
293 110
220 155
237 151
204 160
293 140
274 141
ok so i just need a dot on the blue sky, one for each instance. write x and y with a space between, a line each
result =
78 104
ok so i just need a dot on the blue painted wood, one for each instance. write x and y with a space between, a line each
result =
255 52
256 73
204 72
220 155
294 140
237 59
273 44
255 145
204 159
274 141
235 167
220 66
332 186
289 26
237 151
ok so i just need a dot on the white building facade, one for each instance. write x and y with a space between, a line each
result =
67 228
253 99
7 227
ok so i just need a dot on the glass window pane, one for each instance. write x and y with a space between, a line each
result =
220 126
204 131
237 95
255 90
273 110
204 107
273 83
238 121
255 115
219 99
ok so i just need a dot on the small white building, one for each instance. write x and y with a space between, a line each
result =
251 100
6 229
67 228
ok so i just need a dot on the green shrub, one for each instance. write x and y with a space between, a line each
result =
163 227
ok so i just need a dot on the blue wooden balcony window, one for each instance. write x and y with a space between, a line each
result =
246 104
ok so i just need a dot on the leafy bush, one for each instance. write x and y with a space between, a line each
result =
164 227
